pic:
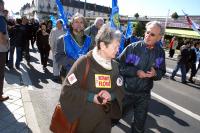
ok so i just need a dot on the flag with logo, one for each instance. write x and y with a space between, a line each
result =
129 30
191 23
114 17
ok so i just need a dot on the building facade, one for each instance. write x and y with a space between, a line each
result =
41 9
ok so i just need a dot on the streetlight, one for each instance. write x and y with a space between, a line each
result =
84 7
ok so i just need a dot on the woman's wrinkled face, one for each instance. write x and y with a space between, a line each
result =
111 49
78 24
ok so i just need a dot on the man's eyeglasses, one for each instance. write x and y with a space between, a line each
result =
150 33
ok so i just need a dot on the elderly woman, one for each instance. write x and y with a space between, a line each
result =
53 37
101 101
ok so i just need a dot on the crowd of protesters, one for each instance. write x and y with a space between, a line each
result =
188 58
103 43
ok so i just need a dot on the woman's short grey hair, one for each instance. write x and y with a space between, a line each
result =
98 19
158 24
107 35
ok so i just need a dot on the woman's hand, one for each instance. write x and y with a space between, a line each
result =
102 97
105 95
95 99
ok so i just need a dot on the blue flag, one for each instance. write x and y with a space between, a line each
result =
129 30
114 17
121 46
61 13
52 18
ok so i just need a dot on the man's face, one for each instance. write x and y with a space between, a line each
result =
152 35
99 24
59 25
78 24
24 20
1 6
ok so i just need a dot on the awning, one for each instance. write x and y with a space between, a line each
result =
182 33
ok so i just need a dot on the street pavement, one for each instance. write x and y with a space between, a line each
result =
17 114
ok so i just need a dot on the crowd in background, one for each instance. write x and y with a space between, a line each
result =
68 44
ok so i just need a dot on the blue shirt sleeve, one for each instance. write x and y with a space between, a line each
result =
2 25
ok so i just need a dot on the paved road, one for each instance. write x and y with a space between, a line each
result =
174 107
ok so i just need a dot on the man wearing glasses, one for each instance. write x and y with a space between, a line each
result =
141 63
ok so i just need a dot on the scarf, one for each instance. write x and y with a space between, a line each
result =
101 61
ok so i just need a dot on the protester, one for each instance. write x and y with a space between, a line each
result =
93 30
5 14
16 41
191 64
24 29
198 57
49 26
30 29
141 63
4 47
35 25
182 60
42 41
133 38
72 45
53 37
172 46
103 80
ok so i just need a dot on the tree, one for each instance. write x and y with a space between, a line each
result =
139 29
136 15
175 15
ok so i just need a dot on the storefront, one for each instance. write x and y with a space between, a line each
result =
182 33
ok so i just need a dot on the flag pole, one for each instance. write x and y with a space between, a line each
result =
166 20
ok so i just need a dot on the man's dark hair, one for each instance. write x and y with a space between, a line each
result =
19 21
2 2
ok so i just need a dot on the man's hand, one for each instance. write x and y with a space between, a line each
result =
141 74
3 39
151 73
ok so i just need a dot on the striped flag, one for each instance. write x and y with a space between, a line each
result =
191 23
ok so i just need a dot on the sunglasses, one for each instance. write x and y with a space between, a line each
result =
150 33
